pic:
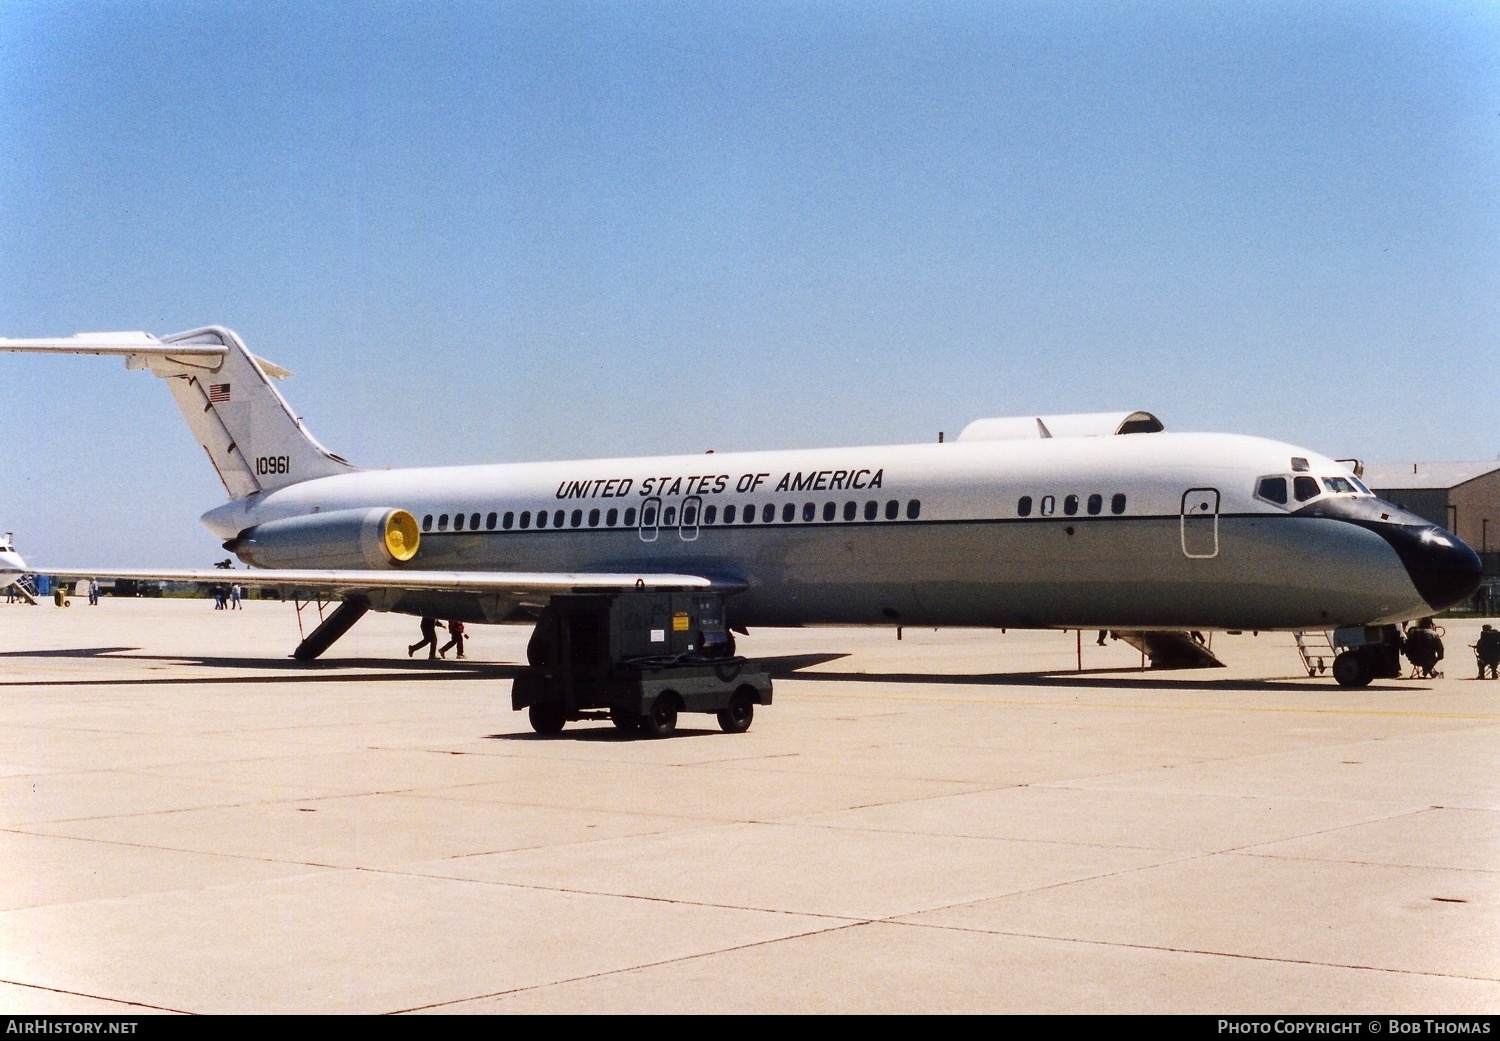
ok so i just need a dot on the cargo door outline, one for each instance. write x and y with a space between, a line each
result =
1200 523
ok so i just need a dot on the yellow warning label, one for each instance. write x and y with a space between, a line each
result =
680 622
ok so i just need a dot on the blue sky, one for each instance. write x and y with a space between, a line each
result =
488 232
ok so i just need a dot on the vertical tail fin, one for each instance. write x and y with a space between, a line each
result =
250 434
255 442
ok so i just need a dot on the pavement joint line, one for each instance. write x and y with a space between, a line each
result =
1016 702
679 960
83 994
1205 952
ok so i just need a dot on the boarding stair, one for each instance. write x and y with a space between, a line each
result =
1171 650
1316 650
25 589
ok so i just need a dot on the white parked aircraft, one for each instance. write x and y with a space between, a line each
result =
12 566
1019 523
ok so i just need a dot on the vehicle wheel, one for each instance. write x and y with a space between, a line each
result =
1351 670
628 722
736 718
546 717
662 719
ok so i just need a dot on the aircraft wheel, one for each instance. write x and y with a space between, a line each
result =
1351 670
623 720
546 717
662 719
736 718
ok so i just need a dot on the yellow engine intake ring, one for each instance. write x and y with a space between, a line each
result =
401 535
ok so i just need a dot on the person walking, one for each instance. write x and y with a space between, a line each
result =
234 598
430 626
456 631
93 592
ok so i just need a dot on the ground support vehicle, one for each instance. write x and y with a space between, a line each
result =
637 659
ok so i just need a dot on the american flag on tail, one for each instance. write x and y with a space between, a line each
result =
218 392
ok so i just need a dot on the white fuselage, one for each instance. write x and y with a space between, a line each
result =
11 566
1133 531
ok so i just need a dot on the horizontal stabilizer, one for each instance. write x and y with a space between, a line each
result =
253 439
140 350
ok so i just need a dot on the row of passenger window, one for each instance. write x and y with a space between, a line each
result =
692 515
1048 505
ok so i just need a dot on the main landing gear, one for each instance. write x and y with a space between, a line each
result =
1366 652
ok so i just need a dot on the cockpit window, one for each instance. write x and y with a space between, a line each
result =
1272 489
1305 488
1361 486
1339 485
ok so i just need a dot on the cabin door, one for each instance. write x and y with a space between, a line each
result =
650 519
687 529
1200 523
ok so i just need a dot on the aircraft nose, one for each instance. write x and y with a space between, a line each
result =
1445 570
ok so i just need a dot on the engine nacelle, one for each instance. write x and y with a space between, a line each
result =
379 537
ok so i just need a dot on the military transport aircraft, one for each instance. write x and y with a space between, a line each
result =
1101 521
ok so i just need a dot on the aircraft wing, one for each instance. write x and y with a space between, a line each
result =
506 585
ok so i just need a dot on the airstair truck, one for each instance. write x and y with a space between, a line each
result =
637 658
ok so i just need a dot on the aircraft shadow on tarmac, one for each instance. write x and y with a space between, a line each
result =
68 652
789 666
330 670
1133 678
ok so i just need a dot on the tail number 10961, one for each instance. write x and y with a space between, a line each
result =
266 465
